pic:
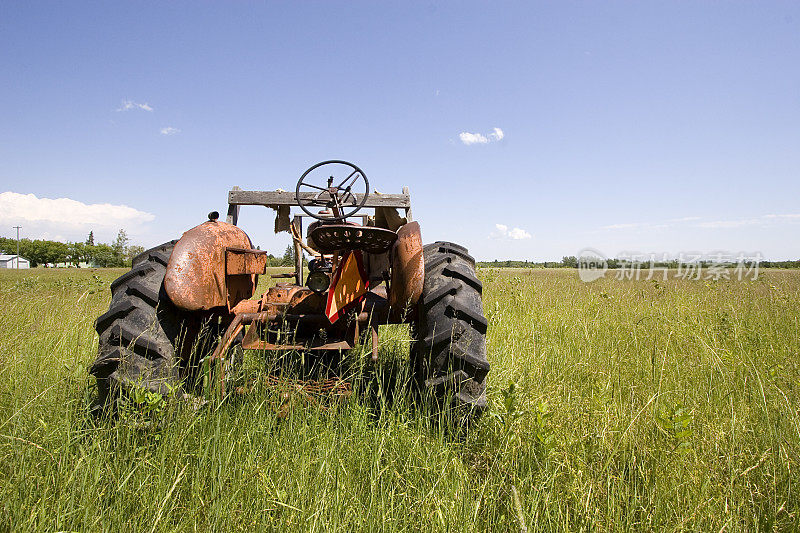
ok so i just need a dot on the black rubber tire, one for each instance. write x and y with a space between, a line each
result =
161 248
450 348
140 332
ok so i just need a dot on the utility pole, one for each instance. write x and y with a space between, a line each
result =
17 228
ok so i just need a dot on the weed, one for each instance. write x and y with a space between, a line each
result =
676 423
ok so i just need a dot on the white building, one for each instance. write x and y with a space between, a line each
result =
11 261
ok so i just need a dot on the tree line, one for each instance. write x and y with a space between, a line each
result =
118 253
571 261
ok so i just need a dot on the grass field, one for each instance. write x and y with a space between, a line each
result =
636 405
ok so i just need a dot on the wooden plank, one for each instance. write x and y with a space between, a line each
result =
270 198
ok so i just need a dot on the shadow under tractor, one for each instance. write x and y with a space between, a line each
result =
362 275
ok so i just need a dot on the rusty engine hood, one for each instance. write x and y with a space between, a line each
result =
196 273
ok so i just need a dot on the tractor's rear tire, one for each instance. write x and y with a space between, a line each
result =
142 334
145 256
450 348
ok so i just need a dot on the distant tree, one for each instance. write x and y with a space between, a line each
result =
120 243
76 252
288 257
103 255
132 252
90 239
8 246
41 251
88 253
32 251
55 252
569 261
119 248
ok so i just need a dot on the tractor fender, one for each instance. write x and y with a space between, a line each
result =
408 270
195 278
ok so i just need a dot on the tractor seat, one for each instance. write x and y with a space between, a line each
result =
329 238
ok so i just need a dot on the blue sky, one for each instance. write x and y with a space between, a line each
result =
655 127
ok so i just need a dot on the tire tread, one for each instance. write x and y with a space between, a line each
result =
450 350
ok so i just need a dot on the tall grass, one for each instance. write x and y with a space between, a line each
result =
614 405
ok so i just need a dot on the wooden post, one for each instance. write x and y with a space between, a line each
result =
233 210
409 218
298 251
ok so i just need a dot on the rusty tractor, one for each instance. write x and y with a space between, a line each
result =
193 299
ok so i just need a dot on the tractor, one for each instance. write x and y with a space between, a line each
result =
366 269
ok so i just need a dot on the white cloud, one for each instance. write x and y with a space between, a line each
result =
128 105
502 232
472 138
763 220
624 226
519 233
477 138
730 223
783 217
169 130
651 225
67 218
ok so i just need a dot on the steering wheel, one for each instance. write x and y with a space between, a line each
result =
340 196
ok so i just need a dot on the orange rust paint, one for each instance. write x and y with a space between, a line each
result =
240 261
408 270
195 278
281 293
247 306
